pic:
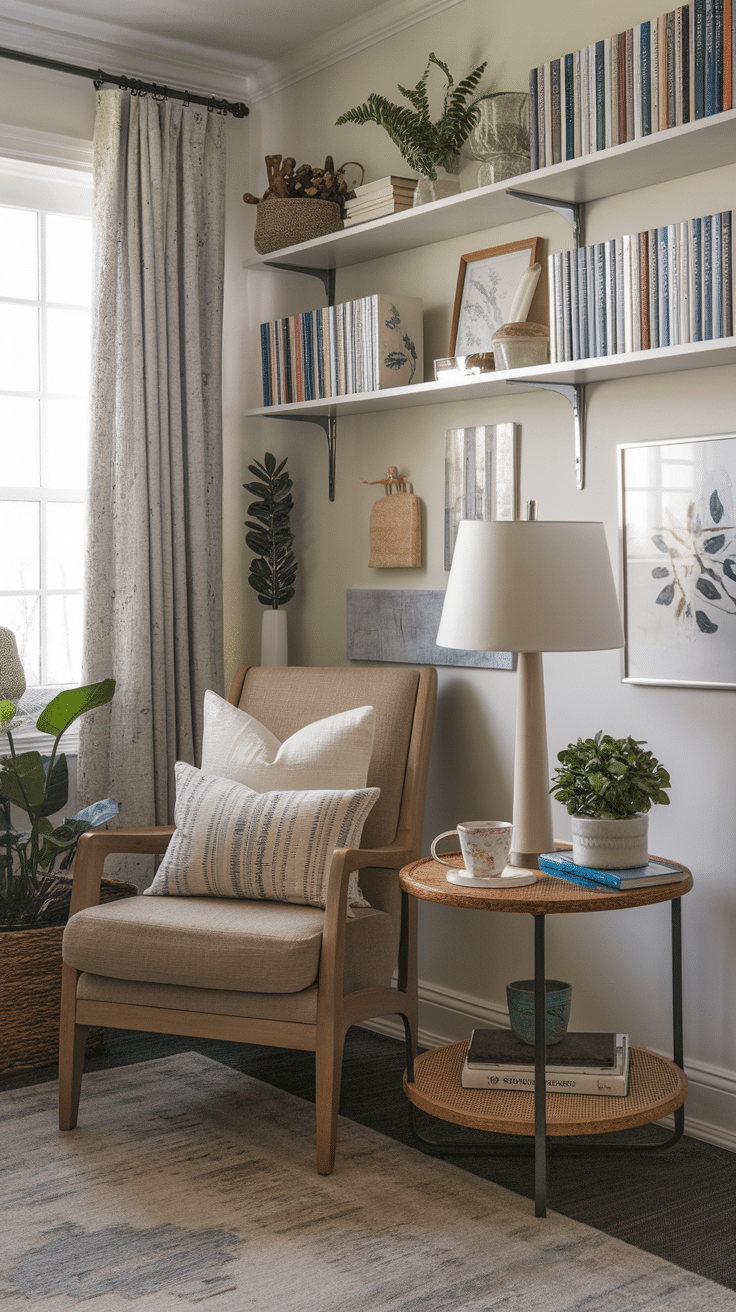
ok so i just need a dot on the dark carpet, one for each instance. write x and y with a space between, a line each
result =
679 1205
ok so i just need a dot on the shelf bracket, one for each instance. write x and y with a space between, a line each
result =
325 276
575 394
328 424
571 210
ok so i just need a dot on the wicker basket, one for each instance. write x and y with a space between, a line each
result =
292 219
30 984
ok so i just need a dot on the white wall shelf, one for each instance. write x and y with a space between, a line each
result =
663 360
697 147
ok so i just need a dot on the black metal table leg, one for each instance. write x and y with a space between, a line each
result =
540 1079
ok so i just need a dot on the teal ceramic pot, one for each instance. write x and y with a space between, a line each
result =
520 998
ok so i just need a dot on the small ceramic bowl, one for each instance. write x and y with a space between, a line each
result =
520 998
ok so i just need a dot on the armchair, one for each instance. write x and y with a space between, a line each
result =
265 972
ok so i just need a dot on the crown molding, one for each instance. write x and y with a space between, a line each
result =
30 147
349 39
34 29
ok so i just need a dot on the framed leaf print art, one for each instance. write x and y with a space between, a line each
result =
486 286
678 561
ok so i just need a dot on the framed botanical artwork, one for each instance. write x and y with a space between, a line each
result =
480 477
486 285
678 561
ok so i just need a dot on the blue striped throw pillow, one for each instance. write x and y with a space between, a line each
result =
233 842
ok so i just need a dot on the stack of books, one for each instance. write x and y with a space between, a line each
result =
583 1063
357 346
561 866
661 73
374 200
663 287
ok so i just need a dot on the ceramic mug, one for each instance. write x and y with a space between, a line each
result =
485 845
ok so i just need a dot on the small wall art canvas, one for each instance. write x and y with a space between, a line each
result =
678 561
480 477
486 286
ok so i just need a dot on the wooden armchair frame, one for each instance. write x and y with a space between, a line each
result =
336 1012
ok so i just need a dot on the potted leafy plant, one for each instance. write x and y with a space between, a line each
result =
608 786
425 145
35 890
273 570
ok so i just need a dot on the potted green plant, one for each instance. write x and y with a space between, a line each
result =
426 146
273 570
35 890
609 786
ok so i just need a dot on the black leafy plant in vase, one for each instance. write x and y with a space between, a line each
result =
432 148
608 786
273 570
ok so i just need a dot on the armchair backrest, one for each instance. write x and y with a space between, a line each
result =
287 698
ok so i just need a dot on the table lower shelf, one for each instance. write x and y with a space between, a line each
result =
656 1087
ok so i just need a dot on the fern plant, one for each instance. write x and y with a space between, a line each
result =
273 571
423 144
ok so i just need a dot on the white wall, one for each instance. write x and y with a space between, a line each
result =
618 964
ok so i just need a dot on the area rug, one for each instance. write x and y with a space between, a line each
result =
188 1182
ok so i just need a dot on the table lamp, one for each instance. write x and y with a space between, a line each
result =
530 586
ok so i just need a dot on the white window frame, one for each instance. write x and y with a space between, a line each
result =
50 173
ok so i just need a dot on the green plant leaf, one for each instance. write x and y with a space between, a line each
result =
57 790
23 781
67 706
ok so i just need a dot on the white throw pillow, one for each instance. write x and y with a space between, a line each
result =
231 841
331 753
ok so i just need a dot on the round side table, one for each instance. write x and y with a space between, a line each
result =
657 1086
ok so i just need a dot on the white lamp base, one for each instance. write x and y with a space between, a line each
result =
514 878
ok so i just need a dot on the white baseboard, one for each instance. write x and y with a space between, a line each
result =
444 1017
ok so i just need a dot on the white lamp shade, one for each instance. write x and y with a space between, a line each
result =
530 585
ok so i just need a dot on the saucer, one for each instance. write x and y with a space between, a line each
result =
514 879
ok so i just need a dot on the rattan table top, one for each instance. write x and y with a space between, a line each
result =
427 879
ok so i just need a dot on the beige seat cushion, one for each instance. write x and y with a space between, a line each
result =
212 943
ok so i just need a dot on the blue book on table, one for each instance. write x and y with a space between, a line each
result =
561 866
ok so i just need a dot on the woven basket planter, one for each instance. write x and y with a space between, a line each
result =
30 987
292 219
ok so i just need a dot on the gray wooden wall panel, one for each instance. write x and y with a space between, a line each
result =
400 624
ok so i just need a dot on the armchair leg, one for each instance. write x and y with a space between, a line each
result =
72 1039
329 1074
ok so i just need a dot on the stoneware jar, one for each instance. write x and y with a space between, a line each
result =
607 844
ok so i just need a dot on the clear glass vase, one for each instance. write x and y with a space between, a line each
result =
500 138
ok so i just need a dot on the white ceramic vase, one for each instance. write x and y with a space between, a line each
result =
274 638
607 844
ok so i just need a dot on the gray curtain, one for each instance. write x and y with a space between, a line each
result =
154 537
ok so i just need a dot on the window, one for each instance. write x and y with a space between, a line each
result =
45 292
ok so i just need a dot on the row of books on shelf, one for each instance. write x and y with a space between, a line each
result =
582 1062
663 287
659 74
374 200
561 865
357 346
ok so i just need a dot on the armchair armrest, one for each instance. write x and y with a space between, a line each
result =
96 845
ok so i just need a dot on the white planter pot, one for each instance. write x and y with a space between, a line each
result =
598 841
274 638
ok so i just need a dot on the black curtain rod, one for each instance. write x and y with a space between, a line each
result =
131 84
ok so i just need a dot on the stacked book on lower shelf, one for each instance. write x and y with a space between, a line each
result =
562 866
667 286
582 1062
357 346
374 200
